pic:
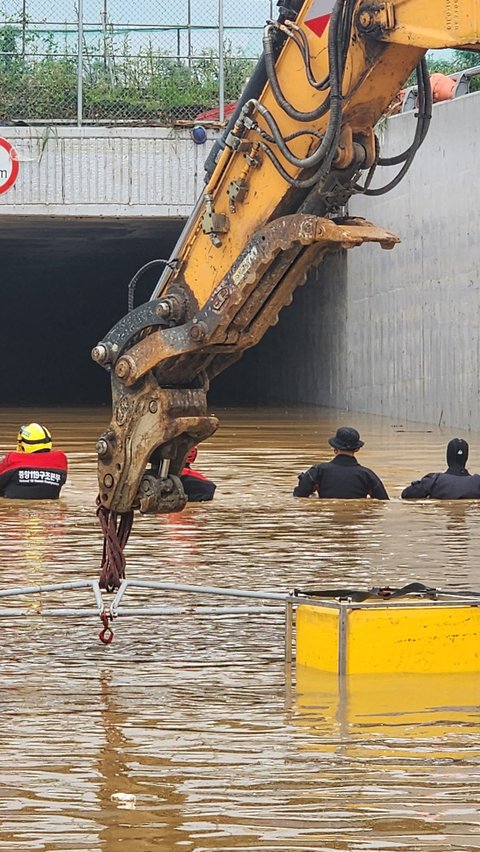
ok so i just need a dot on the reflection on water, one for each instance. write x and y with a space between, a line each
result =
192 715
429 711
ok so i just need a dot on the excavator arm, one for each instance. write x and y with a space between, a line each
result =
300 143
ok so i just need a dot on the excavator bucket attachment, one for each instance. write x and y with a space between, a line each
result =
155 425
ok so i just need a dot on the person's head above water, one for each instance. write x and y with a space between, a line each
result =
33 439
346 440
457 453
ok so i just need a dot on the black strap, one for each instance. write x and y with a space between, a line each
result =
381 593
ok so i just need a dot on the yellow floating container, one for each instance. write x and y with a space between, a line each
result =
396 636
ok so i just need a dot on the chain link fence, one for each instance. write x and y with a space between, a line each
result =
109 61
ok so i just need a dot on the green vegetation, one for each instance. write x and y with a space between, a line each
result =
460 60
38 77
38 82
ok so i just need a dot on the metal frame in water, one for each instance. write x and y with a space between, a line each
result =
331 635
108 612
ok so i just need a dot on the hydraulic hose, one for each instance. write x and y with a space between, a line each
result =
301 162
297 35
134 281
339 33
314 114
298 183
253 89
326 150
424 116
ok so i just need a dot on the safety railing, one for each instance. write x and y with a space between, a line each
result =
118 62
107 612
272 603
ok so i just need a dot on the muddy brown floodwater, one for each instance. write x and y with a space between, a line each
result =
193 716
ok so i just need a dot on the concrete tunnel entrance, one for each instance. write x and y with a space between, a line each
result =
64 285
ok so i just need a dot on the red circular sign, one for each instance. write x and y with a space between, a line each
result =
9 165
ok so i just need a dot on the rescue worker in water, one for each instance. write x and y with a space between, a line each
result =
342 477
197 487
34 471
456 483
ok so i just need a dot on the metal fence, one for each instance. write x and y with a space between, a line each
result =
109 61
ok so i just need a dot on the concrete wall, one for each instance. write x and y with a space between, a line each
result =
103 171
414 313
394 332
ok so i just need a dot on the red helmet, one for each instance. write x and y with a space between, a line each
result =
191 456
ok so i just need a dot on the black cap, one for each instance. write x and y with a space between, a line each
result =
346 438
457 453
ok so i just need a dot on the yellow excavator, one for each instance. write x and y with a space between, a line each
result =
300 143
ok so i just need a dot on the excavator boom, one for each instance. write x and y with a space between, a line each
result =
300 142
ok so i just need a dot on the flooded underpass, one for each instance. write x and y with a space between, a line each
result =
194 719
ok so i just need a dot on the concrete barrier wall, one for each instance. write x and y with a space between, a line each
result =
392 333
395 332
414 313
103 171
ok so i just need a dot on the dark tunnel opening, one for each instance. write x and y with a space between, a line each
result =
65 284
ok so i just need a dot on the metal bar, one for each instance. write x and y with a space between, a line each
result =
342 639
211 590
467 72
386 604
103 18
221 64
98 595
288 632
329 604
28 613
80 65
446 593
130 611
453 599
93 27
24 26
404 604
118 597
189 33
470 72
199 610
342 715
53 587
66 611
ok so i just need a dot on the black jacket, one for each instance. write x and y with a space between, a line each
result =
342 477
33 476
454 484
197 487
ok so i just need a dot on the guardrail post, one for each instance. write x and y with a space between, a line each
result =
221 68
288 632
80 65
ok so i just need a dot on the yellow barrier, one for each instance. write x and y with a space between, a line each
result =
419 637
